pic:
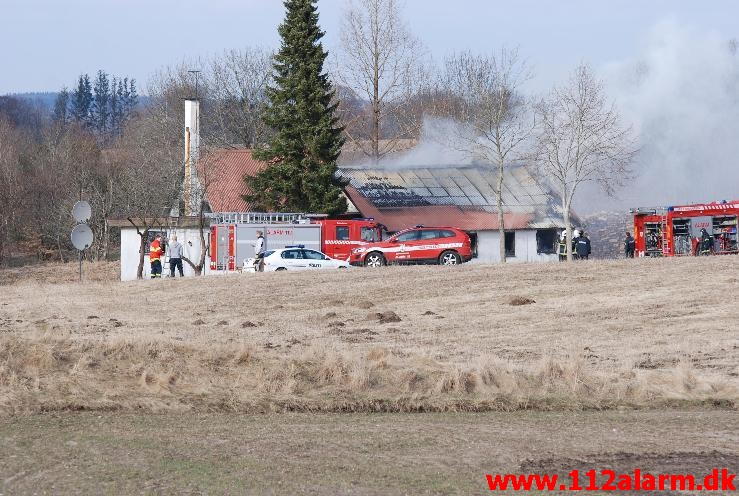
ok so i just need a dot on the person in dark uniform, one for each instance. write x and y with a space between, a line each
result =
629 245
706 243
575 237
582 246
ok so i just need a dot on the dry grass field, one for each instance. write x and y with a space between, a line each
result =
348 454
304 383
592 335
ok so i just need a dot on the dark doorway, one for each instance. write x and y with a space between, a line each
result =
510 244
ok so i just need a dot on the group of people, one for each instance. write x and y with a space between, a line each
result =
156 253
702 245
580 245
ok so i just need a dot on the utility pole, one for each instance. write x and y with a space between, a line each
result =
196 73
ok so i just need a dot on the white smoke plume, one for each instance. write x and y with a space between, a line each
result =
682 96
439 144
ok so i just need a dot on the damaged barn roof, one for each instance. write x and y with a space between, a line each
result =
461 196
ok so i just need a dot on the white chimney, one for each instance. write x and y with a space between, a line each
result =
191 187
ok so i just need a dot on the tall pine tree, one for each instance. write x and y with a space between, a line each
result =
82 101
61 107
307 141
100 109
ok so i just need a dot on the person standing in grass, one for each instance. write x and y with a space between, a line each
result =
175 256
582 246
155 257
259 252
629 245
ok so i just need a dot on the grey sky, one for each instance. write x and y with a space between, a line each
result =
46 44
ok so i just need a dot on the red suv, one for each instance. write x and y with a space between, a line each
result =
438 245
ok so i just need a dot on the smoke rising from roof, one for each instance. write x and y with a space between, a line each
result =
680 93
439 145
682 96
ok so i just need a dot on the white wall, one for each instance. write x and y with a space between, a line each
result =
488 249
190 239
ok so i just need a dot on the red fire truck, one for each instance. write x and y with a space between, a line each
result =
232 235
676 230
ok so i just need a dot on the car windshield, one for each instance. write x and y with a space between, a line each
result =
370 234
265 254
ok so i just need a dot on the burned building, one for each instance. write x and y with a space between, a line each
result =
463 196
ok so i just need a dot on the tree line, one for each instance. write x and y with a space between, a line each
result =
102 106
300 109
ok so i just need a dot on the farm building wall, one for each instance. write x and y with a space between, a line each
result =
189 237
488 250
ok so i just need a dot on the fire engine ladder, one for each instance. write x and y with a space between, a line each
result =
665 238
259 218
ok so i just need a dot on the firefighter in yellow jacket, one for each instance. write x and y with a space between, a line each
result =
155 257
562 246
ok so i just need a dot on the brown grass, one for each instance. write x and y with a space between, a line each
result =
644 333
57 273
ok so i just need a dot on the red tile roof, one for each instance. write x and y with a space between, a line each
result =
399 199
468 218
223 172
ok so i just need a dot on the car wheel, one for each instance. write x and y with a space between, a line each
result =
450 258
374 259
280 268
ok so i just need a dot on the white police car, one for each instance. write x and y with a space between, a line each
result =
293 258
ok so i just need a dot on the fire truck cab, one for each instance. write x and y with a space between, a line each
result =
340 237
676 230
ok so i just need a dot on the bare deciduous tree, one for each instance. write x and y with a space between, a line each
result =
381 60
210 170
150 183
483 93
237 81
582 139
230 89
12 191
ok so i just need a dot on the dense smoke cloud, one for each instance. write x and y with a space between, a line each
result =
682 96
442 142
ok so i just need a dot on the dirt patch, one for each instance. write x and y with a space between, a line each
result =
198 322
248 323
364 304
384 317
520 300
650 363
